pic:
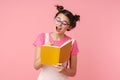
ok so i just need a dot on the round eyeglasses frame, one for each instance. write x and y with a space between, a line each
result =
64 23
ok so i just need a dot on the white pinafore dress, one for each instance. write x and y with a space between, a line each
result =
49 72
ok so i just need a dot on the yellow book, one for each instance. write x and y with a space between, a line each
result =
51 55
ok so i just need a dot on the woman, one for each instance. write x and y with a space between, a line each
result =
64 21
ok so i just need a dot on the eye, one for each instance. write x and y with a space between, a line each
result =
57 19
64 23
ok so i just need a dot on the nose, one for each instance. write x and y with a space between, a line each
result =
60 24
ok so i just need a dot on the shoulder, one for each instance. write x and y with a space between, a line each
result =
39 40
70 38
41 34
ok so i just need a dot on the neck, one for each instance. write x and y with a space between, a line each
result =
58 36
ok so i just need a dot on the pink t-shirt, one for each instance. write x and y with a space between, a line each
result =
41 40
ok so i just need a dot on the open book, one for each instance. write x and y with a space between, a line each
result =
51 55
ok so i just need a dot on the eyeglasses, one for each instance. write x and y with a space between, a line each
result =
64 23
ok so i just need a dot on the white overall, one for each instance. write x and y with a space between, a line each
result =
49 72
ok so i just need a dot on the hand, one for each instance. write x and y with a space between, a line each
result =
59 67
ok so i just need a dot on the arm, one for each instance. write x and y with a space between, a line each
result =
71 71
37 64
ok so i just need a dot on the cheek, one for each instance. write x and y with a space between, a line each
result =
65 28
55 23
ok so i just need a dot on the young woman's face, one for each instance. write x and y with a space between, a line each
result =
61 23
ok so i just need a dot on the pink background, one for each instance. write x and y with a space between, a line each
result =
97 34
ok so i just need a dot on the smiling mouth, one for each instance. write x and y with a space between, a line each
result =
58 29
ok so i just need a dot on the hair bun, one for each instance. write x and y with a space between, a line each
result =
76 17
59 8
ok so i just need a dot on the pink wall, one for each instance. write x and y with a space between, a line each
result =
98 36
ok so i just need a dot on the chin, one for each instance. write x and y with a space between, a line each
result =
56 32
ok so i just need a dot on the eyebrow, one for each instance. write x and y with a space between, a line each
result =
63 20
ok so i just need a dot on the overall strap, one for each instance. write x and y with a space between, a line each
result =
73 40
46 37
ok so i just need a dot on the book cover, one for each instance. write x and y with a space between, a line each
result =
52 55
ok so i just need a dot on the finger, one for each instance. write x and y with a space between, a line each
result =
60 64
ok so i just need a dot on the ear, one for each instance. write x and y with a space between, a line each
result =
69 29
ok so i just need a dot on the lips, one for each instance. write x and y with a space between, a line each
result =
58 29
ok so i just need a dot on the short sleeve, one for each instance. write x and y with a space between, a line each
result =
39 40
74 49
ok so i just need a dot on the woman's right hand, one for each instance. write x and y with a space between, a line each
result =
37 63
